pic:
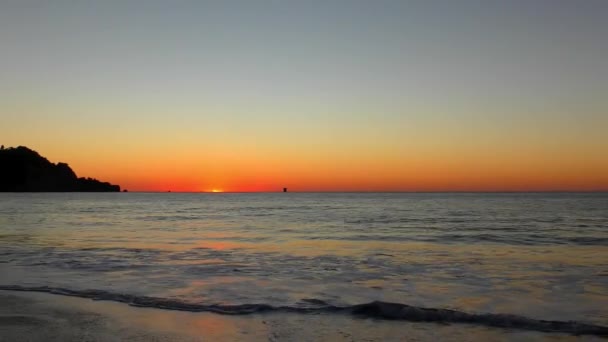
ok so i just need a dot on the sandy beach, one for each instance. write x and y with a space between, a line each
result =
47 317
303 170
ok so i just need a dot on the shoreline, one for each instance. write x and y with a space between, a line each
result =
49 317
381 311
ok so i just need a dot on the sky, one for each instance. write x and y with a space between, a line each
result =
311 95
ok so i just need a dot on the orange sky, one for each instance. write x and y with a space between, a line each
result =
196 169
313 96
463 153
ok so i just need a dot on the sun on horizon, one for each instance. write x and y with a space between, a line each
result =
230 97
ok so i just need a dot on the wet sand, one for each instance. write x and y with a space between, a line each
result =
47 317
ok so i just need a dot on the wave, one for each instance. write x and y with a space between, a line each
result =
377 310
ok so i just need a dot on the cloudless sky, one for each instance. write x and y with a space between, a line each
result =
311 95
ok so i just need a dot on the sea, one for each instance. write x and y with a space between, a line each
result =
535 261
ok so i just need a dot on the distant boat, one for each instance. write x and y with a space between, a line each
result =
284 189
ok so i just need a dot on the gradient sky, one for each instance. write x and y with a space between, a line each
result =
311 95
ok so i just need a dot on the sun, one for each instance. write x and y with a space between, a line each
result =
217 190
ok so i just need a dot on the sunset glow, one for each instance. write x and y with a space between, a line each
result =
217 99
313 170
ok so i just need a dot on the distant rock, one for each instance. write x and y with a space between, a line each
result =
24 170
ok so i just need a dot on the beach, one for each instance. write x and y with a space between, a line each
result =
48 317
303 170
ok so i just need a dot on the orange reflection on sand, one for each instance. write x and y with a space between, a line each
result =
214 325
192 326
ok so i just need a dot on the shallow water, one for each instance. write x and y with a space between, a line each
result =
543 256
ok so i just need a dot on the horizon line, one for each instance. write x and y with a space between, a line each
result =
375 191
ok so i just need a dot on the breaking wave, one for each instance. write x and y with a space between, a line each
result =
377 310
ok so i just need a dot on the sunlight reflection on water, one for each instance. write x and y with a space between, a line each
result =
485 253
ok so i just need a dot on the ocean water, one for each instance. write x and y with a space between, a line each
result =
535 257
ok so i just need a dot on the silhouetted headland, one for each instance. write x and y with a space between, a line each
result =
24 170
